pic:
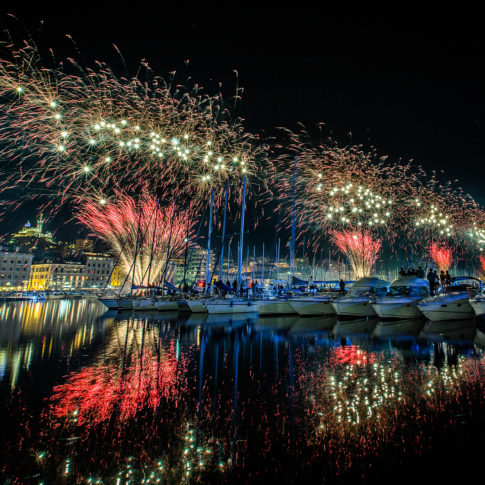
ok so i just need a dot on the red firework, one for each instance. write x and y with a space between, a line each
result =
360 247
442 256
482 263
138 227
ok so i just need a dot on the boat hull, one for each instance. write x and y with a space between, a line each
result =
354 307
275 307
230 307
196 306
312 307
442 310
478 307
397 308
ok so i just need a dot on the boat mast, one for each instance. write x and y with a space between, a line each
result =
224 232
241 236
207 269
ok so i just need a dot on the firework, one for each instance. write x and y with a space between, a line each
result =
138 232
350 188
360 247
69 132
482 264
442 256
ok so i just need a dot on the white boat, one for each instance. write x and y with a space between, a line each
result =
478 305
196 306
402 299
455 304
358 303
275 306
312 305
449 306
231 306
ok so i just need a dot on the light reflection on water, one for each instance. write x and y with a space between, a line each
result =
88 395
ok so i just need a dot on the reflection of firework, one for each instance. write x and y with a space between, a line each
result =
360 248
138 229
442 256
94 394
73 134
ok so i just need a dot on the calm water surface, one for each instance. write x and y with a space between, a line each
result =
89 396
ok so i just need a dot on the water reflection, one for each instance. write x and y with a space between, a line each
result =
32 332
169 398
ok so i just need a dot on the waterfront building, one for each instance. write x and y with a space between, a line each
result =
98 268
57 276
118 276
14 270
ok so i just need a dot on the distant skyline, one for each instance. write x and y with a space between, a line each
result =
413 88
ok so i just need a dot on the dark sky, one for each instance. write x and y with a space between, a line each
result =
411 86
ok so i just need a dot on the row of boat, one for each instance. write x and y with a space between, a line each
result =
406 297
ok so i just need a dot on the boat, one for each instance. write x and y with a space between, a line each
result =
454 304
196 306
362 294
478 305
402 299
275 305
312 305
231 306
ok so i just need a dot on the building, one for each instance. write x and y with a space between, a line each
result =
83 245
196 266
118 276
33 238
57 276
14 270
99 268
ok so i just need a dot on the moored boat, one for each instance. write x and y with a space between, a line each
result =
361 295
402 299
312 305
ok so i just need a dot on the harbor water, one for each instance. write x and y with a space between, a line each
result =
90 396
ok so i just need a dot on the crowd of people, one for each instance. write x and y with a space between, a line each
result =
435 280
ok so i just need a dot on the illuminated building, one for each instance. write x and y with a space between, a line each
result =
33 237
117 276
196 266
98 268
14 270
57 276
84 245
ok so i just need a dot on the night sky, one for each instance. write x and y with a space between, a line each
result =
413 89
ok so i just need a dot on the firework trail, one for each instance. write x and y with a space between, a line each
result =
360 247
138 228
482 264
442 256
69 131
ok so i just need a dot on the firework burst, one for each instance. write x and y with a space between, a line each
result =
360 247
442 256
142 235
72 131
